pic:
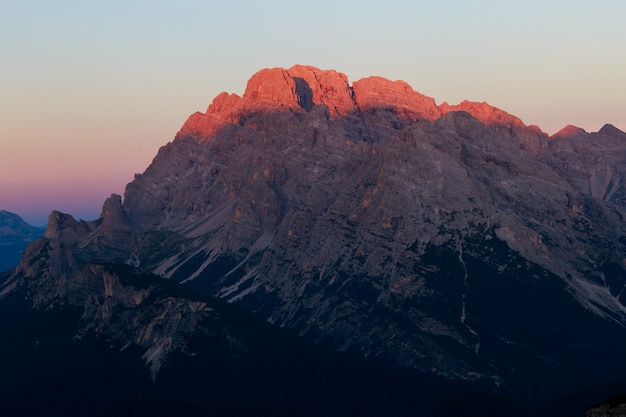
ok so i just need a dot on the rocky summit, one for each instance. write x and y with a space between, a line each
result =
452 240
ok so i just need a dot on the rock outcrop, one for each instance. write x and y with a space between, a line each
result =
594 163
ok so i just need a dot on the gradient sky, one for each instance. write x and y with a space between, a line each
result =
89 90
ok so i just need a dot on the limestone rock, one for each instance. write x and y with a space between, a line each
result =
376 93
594 163
569 132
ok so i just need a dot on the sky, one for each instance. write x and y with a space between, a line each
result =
89 90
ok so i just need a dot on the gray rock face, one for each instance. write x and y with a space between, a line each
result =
124 305
594 163
452 239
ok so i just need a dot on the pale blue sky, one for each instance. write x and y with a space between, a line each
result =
90 90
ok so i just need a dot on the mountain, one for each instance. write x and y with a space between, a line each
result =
15 236
110 339
450 241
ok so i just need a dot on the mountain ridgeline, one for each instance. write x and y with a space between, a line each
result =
436 243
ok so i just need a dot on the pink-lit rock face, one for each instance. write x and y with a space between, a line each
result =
485 113
398 96
271 89
224 103
301 88
330 88
569 131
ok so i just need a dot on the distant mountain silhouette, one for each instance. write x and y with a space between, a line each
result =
15 236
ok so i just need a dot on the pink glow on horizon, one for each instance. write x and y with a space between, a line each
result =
34 201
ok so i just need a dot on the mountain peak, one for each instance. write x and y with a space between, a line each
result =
112 207
9 219
327 87
301 88
11 224
15 236
378 92
272 89
484 112
569 131
64 227
610 130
